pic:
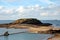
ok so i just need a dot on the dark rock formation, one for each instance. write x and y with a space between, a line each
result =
54 37
54 31
46 24
35 22
6 33
32 21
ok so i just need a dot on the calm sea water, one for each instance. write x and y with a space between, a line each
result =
25 36
22 36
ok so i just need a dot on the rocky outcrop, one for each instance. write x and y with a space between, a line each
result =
54 31
24 26
27 21
31 21
6 33
44 30
55 37
40 29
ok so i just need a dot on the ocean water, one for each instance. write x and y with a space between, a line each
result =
22 36
25 36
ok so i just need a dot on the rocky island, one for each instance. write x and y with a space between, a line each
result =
29 21
33 25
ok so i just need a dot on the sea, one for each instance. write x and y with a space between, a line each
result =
25 36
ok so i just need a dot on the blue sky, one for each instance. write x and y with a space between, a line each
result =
40 9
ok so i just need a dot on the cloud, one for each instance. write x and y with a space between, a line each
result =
5 11
20 9
44 14
46 1
1 7
35 11
10 0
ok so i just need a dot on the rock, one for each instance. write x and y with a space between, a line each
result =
40 29
54 31
55 37
28 21
46 24
6 33
44 30
21 26
32 21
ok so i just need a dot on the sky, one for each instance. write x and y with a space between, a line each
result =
40 9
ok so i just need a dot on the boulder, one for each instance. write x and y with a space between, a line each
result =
6 33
